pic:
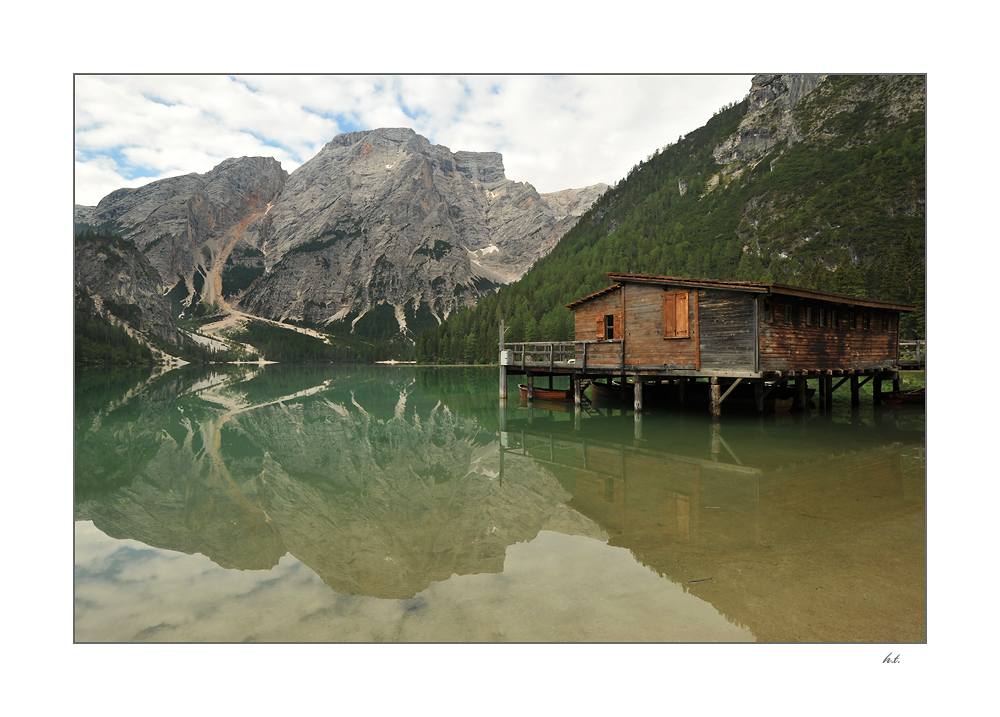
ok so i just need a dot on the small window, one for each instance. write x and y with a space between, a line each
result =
833 318
609 326
822 317
854 320
866 321
809 316
767 312
788 314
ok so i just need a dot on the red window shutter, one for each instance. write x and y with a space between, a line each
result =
669 315
600 328
619 329
681 320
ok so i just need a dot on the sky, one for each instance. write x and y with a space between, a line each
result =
554 132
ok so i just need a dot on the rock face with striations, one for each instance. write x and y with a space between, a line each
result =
385 217
378 219
187 226
121 283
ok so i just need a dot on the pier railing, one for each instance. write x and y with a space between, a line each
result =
541 353
912 352
577 355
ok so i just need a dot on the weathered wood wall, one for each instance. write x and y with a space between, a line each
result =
793 344
588 317
645 344
726 326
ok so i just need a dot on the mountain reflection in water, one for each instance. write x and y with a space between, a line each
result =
399 503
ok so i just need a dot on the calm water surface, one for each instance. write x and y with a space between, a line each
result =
369 503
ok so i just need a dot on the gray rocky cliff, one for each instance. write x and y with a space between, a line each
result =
385 217
123 285
187 226
769 117
378 219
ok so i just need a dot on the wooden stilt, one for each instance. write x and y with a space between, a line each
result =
803 396
503 381
531 387
577 390
638 396
855 391
716 400
877 390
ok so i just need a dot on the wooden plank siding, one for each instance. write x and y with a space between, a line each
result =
646 324
795 345
589 323
726 328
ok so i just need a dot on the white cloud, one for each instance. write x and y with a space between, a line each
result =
554 132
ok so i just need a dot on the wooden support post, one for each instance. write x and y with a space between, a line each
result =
877 389
531 386
551 378
503 381
638 426
758 395
855 391
895 383
577 390
715 404
803 396
823 397
638 395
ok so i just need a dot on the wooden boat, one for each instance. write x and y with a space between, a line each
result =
913 395
612 392
548 394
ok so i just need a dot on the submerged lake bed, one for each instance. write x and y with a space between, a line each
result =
405 503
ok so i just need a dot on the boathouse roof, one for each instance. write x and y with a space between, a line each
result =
753 287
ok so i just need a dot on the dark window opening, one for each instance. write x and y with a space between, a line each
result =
788 314
767 311
609 326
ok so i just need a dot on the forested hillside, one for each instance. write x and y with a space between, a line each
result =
834 203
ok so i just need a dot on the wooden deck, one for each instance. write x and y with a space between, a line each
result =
595 360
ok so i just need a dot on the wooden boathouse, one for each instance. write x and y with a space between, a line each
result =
663 329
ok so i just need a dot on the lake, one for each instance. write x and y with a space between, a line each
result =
402 503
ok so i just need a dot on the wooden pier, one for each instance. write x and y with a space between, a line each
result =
549 359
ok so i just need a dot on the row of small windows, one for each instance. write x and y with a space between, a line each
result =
825 318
